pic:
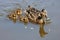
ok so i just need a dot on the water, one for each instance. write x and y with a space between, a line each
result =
17 31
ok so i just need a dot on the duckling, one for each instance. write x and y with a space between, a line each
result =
33 18
30 9
26 13
14 16
9 16
18 12
24 19
40 20
44 13
29 17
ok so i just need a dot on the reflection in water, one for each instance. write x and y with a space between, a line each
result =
25 25
42 31
14 21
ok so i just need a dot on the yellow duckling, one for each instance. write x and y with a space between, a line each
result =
40 20
29 17
13 17
44 13
24 19
18 12
9 16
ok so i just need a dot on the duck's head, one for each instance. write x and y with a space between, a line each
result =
14 17
25 20
18 11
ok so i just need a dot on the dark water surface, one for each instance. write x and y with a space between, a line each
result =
18 31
